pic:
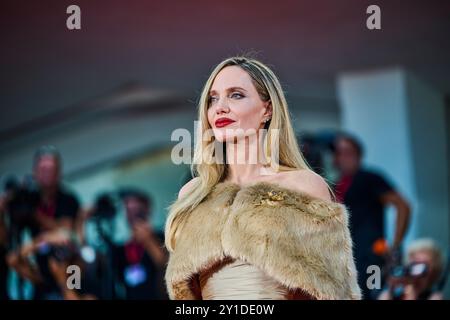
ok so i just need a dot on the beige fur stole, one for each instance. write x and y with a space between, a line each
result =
301 241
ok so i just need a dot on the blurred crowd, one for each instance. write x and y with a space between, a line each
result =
52 217
417 272
43 233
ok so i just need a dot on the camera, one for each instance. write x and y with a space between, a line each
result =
138 217
105 207
61 253
412 270
23 199
401 276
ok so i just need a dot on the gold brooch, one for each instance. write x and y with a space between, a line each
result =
276 195
273 198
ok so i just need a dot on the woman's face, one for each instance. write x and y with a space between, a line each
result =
425 281
46 172
234 104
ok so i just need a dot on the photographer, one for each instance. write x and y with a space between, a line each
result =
419 278
53 213
140 261
367 194
62 253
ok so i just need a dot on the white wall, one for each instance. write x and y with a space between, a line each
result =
401 121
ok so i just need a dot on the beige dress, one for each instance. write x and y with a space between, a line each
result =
239 280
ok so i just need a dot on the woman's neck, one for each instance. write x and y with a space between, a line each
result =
243 161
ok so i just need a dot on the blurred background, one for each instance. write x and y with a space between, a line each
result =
107 98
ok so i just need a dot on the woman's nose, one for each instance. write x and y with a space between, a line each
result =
222 106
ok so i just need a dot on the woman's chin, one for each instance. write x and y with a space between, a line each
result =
224 135
223 138
233 135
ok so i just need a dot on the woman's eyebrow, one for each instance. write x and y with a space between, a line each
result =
236 88
228 90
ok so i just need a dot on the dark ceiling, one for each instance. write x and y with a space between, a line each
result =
174 44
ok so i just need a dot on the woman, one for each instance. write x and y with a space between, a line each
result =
424 262
246 229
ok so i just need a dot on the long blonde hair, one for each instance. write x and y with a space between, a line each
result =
290 157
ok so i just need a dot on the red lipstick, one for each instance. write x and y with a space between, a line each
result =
222 122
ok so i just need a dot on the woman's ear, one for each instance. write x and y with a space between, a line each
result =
268 111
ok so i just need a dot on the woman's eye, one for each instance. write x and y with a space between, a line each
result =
212 99
237 95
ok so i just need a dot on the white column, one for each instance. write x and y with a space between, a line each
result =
401 122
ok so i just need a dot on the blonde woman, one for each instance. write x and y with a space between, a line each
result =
246 229
425 265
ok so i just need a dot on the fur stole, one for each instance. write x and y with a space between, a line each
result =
301 241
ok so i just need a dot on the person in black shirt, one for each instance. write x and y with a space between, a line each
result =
56 211
366 194
139 262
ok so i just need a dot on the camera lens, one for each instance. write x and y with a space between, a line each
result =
417 269
398 271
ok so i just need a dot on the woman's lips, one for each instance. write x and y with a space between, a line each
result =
222 122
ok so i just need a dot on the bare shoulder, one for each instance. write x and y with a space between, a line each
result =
307 181
188 187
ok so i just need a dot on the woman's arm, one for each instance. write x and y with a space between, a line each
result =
19 261
403 214
147 238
